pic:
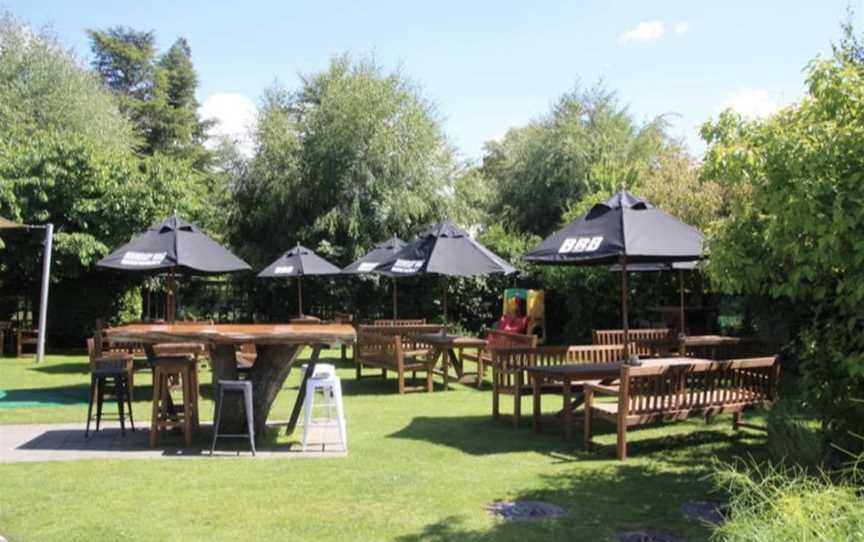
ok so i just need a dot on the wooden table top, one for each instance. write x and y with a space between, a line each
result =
604 371
234 333
451 341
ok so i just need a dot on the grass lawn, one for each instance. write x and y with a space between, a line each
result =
420 467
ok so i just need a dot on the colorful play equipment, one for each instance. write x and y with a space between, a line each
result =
524 312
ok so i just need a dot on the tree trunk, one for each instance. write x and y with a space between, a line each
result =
268 374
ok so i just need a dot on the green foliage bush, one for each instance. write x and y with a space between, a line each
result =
794 233
789 504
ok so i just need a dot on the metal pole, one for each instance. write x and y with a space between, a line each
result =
681 288
395 298
300 295
43 298
445 300
624 307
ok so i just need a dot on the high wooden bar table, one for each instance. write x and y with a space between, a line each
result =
277 346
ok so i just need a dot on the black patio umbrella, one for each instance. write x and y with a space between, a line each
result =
625 230
173 246
447 250
373 258
298 262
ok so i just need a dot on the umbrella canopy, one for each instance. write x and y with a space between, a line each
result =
626 230
444 249
174 245
298 262
373 258
625 226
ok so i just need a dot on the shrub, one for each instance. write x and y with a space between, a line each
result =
775 504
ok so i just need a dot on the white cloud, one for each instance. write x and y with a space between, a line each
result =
644 31
752 102
682 28
235 115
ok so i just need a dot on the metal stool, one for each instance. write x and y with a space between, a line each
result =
331 386
245 387
99 379
170 373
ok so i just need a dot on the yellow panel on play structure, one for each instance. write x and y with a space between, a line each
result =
536 304
523 302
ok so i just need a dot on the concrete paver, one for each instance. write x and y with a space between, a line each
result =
66 442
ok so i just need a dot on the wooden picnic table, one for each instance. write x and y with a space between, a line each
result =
277 347
660 347
444 347
577 373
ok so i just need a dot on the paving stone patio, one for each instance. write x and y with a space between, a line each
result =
66 442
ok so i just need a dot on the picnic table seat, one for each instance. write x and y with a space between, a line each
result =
674 392
509 369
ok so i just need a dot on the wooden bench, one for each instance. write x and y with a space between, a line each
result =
405 330
400 353
495 338
616 336
26 337
675 392
509 367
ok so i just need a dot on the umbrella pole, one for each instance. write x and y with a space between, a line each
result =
170 308
445 301
395 298
300 295
681 293
626 326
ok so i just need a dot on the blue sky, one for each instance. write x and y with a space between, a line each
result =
489 66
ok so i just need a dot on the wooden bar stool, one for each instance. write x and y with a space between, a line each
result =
174 373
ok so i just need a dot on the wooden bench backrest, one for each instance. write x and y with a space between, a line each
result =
523 357
616 336
700 386
373 343
506 339
400 322
418 329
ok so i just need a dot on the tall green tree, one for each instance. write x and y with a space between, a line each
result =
43 87
67 156
588 143
351 157
156 93
795 233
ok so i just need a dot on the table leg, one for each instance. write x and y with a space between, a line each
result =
301 395
457 363
537 383
445 366
568 409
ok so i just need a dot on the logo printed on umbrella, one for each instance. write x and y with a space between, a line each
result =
580 244
367 266
142 259
284 270
407 266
